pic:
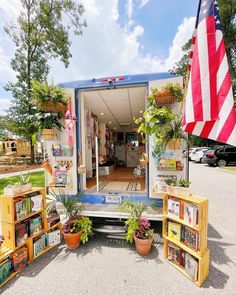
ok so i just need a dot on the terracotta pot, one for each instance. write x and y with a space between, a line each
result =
50 107
48 134
143 247
72 240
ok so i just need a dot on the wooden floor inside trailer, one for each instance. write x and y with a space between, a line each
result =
120 179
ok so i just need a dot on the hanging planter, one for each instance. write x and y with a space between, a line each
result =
49 98
53 108
164 97
48 134
168 94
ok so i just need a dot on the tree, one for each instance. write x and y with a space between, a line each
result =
41 33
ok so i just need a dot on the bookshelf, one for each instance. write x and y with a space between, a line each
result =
175 238
9 223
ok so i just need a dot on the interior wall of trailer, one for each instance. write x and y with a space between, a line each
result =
113 112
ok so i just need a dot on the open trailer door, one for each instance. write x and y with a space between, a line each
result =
171 163
61 153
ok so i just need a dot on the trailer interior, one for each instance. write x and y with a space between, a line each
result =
108 114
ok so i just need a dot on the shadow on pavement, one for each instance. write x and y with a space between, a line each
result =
35 267
217 279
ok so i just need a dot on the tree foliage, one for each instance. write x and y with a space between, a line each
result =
40 33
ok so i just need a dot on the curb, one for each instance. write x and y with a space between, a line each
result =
227 171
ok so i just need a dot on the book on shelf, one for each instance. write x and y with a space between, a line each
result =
36 203
21 233
170 164
35 225
67 150
191 266
174 254
54 237
39 244
173 207
190 214
191 238
22 208
20 258
174 231
5 269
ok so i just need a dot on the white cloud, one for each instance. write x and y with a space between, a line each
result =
143 3
184 33
106 48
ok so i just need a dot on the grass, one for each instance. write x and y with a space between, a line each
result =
36 178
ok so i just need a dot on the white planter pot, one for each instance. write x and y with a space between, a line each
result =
26 187
12 191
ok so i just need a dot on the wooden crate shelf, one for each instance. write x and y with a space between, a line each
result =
8 222
202 254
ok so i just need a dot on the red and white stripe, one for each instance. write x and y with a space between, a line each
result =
209 104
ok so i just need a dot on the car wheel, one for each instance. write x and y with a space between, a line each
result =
200 161
221 163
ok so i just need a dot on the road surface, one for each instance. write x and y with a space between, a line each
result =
107 266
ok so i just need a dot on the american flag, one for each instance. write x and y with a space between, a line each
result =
209 105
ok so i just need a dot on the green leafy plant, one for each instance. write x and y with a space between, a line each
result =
171 181
43 93
72 205
175 89
83 224
86 225
50 121
184 183
135 224
174 182
24 178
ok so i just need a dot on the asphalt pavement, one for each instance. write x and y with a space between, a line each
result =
108 266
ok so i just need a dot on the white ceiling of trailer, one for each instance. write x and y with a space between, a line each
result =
118 105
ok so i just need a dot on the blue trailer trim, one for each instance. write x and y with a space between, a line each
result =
128 79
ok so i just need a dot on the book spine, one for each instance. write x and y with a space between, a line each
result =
182 233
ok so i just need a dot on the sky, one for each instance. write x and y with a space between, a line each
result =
122 37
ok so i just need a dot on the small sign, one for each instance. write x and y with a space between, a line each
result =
112 199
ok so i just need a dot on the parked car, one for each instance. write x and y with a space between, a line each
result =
192 151
221 156
198 155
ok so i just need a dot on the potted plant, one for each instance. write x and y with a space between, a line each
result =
161 122
77 228
12 189
168 94
178 187
25 184
49 123
138 228
49 98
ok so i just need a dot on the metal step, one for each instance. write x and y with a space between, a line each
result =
110 229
